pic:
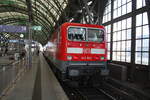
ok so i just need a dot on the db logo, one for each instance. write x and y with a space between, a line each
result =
86 50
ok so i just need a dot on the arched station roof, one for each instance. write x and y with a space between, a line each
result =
47 13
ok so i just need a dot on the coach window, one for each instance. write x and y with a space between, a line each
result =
76 34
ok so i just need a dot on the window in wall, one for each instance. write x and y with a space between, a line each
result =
121 7
140 4
142 39
122 40
108 31
107 13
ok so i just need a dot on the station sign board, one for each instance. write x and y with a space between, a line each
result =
17 29
13 29
38 28
7 2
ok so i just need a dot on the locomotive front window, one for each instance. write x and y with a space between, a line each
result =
95 35
85 34
76 34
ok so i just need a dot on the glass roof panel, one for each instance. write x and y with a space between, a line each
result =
45 12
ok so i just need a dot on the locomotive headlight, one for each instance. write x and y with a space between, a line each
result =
102 58
69 57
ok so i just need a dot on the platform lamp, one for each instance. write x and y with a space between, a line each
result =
21 36
19 43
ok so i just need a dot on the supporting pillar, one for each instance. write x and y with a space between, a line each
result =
29 7
133 43
148 13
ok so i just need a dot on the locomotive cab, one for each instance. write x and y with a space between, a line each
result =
86 51
80 50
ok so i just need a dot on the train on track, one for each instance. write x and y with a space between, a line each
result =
78 50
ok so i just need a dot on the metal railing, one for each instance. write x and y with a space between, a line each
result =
9 74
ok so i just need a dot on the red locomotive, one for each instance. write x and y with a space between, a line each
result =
79 50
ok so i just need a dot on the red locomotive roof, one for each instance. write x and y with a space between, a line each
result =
83 25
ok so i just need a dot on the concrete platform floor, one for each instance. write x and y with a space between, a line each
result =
38 83
4 60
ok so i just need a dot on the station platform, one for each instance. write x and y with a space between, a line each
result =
5 60
37 83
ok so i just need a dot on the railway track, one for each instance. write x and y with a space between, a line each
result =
86 93
117 93
109 90
94 94
123 91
